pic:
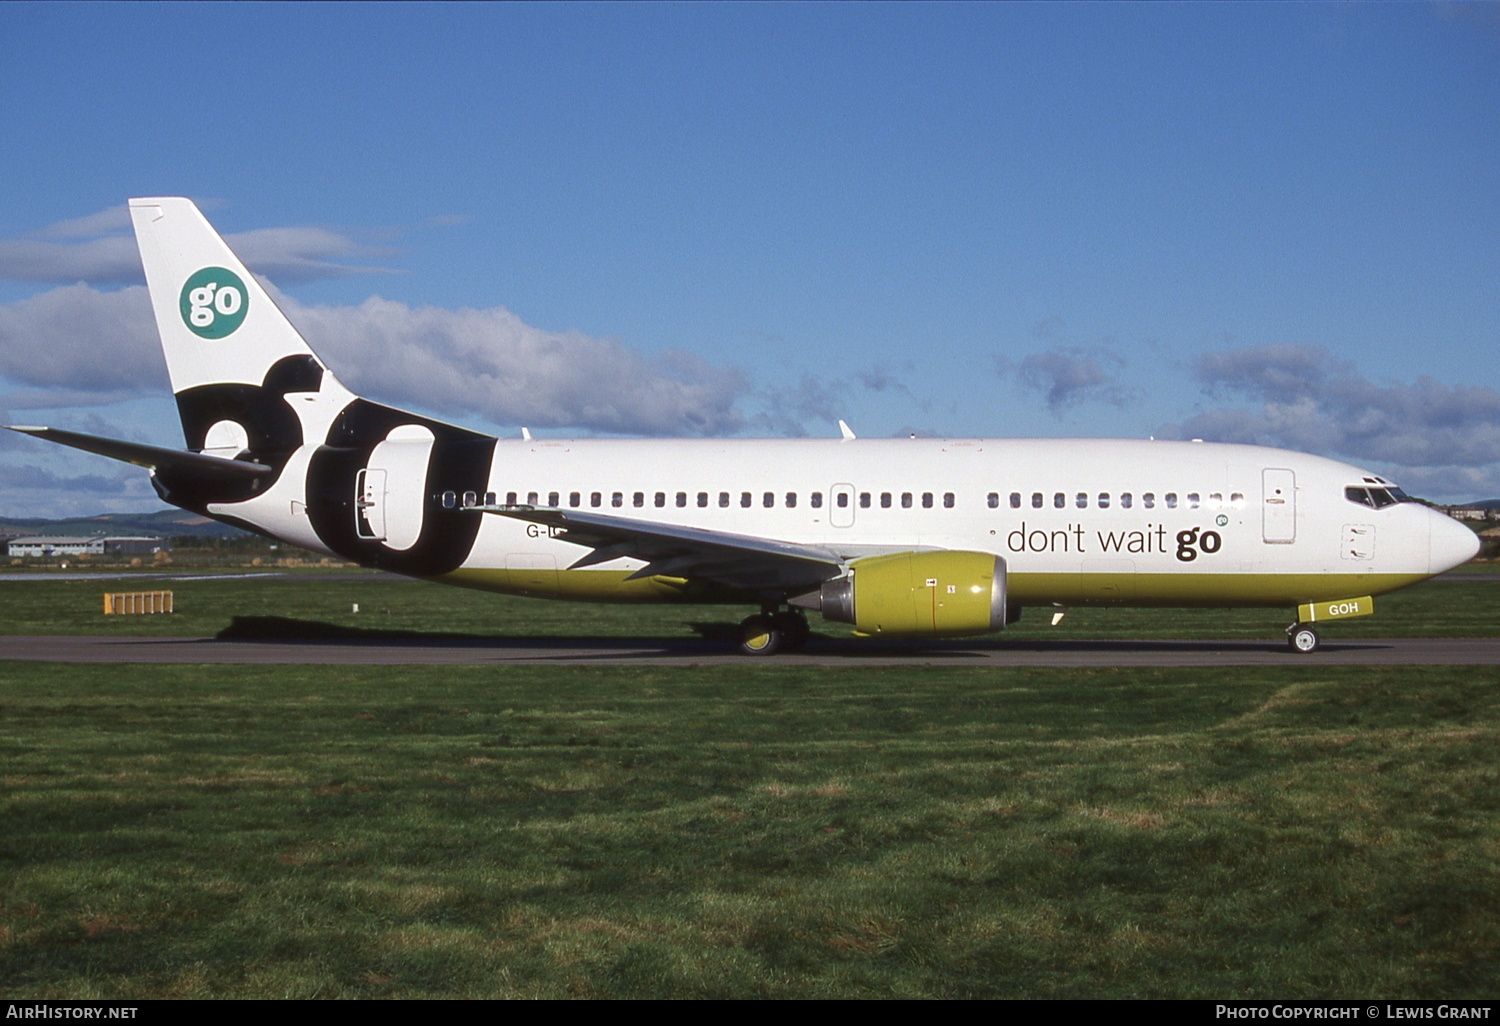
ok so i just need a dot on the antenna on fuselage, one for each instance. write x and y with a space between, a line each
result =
844 430
526 434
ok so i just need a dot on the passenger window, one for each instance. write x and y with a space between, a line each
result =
596 499
1170 499
470 499
885 500
1192 500
1015 500
906 500
1215 500
926 500
510 498
638 499
815 500
489 498
552 499
1036 500
864 500
1149 500
702 500
1082 501
1237 500
992 500
574 499
947 500
791 500
841 500
744 500
1059 501
531 498
723 500
768 500
1104 500
617 499
660 499
449 499
1125 500
681 499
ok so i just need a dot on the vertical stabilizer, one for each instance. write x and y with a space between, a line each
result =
217 324
245 380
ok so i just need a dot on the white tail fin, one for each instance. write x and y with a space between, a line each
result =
233 357
217 324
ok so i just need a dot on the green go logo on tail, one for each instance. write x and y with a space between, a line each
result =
213 302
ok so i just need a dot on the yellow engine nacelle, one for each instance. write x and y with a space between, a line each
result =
917 594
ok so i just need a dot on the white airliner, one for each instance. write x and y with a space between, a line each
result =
900 537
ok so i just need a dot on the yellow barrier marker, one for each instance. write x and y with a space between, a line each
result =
126 602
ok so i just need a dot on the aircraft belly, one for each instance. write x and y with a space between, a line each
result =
1198 589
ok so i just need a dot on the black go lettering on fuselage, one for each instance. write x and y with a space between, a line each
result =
460 462
1195 540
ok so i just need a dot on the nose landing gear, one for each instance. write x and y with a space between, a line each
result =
1302 638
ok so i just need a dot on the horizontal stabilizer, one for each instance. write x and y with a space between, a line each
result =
154 457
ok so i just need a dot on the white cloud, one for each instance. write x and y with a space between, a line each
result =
489 362
1068 375
105 222
76 343
1309 400
99 250
77 337
1438 439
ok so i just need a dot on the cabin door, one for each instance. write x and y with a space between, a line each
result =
1278 506
369 504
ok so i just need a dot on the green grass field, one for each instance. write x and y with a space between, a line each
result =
320 599
764 830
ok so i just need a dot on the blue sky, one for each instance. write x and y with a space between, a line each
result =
1261 222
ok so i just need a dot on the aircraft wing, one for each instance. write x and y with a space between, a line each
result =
153 457
736 560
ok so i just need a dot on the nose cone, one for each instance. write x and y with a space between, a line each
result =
1450 544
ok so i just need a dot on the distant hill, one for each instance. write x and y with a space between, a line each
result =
166 523
1483 504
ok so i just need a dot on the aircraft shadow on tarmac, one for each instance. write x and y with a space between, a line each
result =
714 638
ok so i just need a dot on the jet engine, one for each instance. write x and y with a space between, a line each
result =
916 594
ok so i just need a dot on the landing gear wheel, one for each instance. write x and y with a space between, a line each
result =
759 636
792 627
1303 639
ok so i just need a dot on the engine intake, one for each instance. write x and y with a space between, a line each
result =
916 594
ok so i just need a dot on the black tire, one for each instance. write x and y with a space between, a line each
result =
1303 639
793 629
759 636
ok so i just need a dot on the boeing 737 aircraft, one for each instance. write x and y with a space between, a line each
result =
900 537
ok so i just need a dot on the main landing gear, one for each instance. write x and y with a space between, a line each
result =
1303 638
769 632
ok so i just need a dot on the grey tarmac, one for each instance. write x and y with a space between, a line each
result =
699 652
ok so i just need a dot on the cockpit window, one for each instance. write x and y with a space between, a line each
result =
1377 497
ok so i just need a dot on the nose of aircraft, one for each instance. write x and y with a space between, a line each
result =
1449 544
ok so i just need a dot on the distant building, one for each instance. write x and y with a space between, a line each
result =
95 545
